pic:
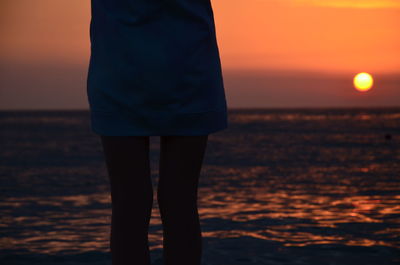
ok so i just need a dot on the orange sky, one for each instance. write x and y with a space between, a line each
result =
301 34
333 36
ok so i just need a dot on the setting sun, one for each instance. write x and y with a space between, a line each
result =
363 81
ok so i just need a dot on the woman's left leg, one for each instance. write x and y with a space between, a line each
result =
181 159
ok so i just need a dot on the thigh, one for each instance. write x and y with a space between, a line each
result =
181 158
125 151
128 162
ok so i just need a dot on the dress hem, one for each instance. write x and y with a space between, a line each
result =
118 124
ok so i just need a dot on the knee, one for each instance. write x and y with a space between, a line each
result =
173 201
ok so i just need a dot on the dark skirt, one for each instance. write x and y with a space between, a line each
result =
155 68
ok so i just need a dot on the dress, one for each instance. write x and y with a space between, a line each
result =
154 68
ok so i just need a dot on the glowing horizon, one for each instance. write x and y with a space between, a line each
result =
322 44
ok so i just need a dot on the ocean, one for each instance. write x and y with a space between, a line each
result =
298 186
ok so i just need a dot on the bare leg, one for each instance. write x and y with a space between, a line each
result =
128 165
181 159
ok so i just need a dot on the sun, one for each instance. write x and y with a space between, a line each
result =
363 81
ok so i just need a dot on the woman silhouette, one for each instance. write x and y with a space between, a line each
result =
154 70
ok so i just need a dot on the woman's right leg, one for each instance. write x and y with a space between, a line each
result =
128 165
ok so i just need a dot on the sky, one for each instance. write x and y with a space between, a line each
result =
274 53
